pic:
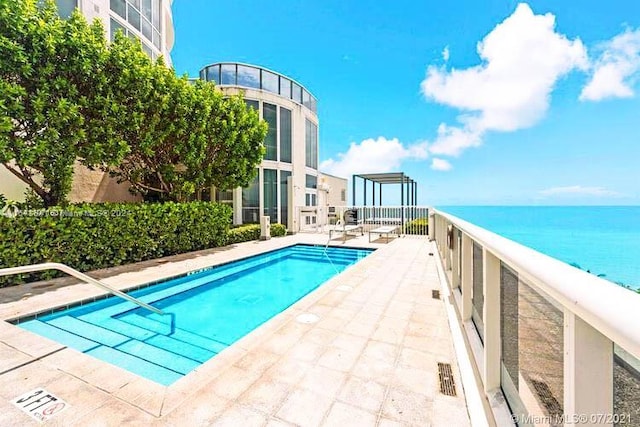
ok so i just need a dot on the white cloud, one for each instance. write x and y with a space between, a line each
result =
523 58
578 190
616 69
440 165
373 155
445 53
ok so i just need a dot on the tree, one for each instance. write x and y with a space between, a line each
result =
183 136
53 97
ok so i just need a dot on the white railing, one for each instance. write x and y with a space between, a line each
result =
78 275
408 220
562 345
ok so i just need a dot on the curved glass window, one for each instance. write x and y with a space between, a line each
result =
306 99
248 76
213 74
119 7
269 114
285 87
285 135
296 92
269 81
228 74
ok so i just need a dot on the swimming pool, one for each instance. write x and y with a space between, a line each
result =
205 311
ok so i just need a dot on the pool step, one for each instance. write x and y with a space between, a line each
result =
181 348
67 338
158 356
175 333
97 333
136 365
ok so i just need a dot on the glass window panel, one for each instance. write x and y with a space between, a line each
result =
66 7
270 185
285 87
136 3
156 39
284 198
306 99
147 49
251 202
228 74
269 81
477 298
115 26
311 144
213 73
252 103
626 388
134 18
203 75
146 9
146 29
156 14
296 92
269 114
311 181
285 135
119 7
313 106
248 77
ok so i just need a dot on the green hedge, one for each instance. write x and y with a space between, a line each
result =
417 226
244 233
278 230
92 236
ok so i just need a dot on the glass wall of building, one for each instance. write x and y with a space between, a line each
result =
284 198
66 7
251 202
270 115
285 135
257 78
311 181
270 193
311 144
143 17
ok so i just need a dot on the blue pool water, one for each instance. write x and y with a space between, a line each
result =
205 312
602 239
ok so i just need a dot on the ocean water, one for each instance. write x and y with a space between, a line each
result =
602 239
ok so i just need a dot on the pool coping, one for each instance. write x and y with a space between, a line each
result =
153 398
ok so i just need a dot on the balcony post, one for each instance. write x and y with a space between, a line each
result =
455 269
491 315
467 276
588 372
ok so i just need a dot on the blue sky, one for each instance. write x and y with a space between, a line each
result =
482 102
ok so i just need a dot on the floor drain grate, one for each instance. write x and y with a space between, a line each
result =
445 375
435 294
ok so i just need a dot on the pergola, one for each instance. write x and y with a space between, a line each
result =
388 178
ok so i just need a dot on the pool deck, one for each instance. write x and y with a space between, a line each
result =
371 359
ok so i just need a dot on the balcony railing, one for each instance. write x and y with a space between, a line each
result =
560 344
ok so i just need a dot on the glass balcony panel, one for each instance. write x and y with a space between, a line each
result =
477 299
213 74
285 87
248 77
626 388
228 74
269 81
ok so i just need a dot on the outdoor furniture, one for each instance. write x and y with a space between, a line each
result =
384 230
340 227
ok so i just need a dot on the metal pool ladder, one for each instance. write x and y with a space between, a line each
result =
78 275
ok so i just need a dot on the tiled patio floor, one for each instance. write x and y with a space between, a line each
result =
370 360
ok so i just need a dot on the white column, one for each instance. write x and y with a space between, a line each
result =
446 251
455 252
432 225
588 372
491 315
467 276
237 206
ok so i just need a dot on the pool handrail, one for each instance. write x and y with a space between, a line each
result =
78 275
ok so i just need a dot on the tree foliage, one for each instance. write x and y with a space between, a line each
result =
66 96
53 97
183 136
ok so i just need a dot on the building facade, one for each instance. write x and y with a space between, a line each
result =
288 186
151 22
